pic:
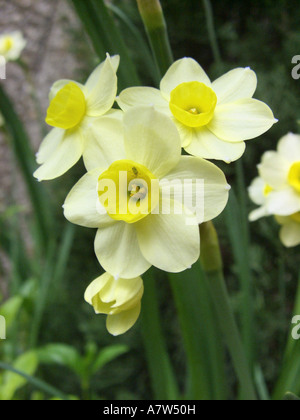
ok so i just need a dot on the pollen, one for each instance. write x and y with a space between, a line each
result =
68 107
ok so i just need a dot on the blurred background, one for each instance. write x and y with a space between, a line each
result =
41 293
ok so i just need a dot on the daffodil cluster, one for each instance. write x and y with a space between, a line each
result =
277 189
145 198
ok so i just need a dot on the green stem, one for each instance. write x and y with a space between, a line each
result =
212 263
26 161
211 31
162 376
201 337
156 28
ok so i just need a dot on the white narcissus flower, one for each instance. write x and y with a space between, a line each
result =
213 119
119 299
280 171
146 148
290 231
73 108
11 45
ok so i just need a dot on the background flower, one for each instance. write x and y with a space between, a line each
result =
213 119
11 45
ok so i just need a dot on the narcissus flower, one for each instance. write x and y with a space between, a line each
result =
290 231
73 108
280 172
214 119
119 299
258 192
11 45
133 193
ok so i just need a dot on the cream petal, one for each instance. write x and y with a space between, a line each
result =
206 145
118 251
49 144
67 154
192 174
283 203
94 78
143 96
258 214
151 139
170 241
289 147
96 286
274 170
256 191
290 234
242 120
101 90
126 293
182 71
122 322
237 84
82 205
104 142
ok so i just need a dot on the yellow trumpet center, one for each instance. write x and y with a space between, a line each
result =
296 217
128 191
67 108
294 176
193 104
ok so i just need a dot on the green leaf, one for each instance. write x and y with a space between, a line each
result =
27 363
107 355
60 354
10 309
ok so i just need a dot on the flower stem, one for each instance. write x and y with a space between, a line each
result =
156 28
212 264
160 368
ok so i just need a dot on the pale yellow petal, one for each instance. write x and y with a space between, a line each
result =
143 96
101 90
274 170
151 139
104 141
202 186
50 144
66 154
237 84
170 242
208 146
290 234
122 322
96 286
183 71
242 120
256 191
284 202
118 251
289 147
94 78
82 205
